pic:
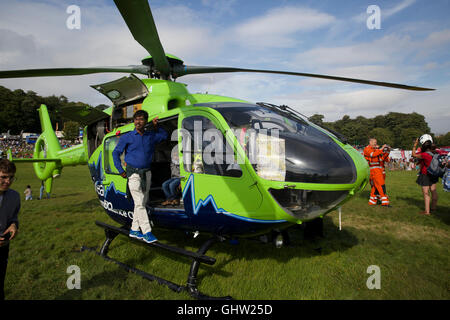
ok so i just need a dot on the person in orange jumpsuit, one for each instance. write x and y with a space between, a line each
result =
374 157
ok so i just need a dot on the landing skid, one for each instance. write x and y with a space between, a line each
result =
198 257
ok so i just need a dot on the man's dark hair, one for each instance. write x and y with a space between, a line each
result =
141 113
7 166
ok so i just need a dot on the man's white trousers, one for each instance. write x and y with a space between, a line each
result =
140 217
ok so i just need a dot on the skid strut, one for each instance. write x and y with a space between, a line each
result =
111 232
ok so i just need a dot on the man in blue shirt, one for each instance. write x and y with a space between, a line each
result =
139 146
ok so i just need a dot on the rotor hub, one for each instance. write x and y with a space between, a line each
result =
173 60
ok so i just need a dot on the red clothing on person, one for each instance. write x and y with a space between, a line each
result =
425 162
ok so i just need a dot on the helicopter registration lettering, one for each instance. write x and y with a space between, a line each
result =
100 190
109 206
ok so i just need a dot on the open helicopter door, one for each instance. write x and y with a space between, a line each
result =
123 90
126 94
218 192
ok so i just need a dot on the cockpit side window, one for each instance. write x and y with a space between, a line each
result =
108 148
205 149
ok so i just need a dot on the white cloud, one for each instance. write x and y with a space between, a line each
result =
396 9
385 49
253 87
220 8
385 12
392 58
278 27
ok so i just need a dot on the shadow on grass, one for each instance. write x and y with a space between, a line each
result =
300 246
365 194
441 213
63 195
101 279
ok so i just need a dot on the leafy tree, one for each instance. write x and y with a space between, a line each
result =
18 110
71 130
443 140
317 119
383 136
407 137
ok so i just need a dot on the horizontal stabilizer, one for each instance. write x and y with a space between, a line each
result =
35 160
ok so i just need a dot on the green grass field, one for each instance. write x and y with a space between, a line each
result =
411 250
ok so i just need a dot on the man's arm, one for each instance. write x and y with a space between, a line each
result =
370 153
15 217
161 135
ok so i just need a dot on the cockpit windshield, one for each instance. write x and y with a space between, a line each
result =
283 146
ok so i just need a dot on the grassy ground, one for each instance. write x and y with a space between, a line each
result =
411 250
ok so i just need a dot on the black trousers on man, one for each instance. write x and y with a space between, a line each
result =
4 251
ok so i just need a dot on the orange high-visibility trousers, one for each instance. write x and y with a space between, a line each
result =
377 182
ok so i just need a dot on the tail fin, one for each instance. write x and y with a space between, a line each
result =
48 157
46 149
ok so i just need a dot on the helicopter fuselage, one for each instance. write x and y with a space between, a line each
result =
284 171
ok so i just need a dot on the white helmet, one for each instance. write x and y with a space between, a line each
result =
424 138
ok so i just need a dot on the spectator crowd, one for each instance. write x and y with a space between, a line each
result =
21 149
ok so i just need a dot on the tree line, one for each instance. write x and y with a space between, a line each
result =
396 129
18 113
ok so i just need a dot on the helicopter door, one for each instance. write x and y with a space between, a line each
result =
209 170
123 90
113 186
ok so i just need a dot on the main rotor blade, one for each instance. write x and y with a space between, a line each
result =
139 19
186 70
56 72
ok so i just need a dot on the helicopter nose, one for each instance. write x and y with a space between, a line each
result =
317 160
314 160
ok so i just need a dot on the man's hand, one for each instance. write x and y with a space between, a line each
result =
12 230
155 121
123 174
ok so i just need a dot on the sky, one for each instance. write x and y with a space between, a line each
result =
410 45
